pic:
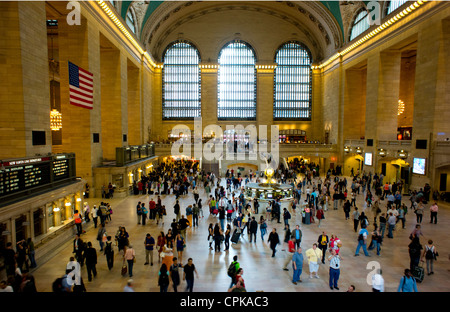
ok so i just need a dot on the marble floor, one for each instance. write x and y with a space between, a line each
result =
261 271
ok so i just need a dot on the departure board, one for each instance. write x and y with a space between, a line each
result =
60 169
28 174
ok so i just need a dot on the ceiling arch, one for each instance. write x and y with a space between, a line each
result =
311 18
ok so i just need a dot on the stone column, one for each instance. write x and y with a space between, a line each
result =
25 87
431 94
264 98
135 117
209 96
111 100
79 44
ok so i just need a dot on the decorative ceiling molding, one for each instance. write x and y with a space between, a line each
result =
316 47
302 14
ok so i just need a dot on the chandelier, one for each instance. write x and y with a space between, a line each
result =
55 120
55 115
401 107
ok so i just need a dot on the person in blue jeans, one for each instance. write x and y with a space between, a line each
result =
297 265
335 269
362 242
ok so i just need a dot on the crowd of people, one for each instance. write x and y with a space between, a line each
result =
233 216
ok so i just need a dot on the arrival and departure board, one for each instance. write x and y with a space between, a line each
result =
27 174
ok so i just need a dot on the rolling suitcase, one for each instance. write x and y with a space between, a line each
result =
235 237
419 273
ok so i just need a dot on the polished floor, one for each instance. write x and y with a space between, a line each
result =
261 271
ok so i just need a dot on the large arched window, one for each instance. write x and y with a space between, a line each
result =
237 82
292 82
181 82
130 21
360 24
394 5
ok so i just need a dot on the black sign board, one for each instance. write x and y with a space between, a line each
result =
20 176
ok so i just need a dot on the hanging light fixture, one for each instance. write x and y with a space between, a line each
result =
55 115
401 107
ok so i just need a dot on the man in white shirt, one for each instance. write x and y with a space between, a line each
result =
377 282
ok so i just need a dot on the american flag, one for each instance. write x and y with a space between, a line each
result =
81 87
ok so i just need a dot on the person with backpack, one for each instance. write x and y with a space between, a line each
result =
362 242
407 282
430 253
163 278
232 270
109 253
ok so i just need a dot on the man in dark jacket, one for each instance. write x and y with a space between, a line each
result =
78 248
323 244
253 227
90 255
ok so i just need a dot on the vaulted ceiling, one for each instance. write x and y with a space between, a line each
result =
325 23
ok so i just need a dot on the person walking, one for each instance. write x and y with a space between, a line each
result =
289 252
274 240
355 216
297 234
180 243
175 274
253 228
90 256
323 244
195 213
227 237
419 212
78 222
100 233
391 221
130 257
109 253
149 244
297 265
335 269
313 255
262 227
415 251
407 282
163 278
433 213
232 270
362 242
377 282
95 215
188 275
430 253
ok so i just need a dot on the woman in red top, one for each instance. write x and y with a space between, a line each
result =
160 244
238 277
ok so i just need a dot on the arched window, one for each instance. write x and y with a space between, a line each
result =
237 82
360 24
292 82
130 21
394 5
181 82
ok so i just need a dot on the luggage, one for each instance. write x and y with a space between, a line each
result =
235 237
124 268
418 273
